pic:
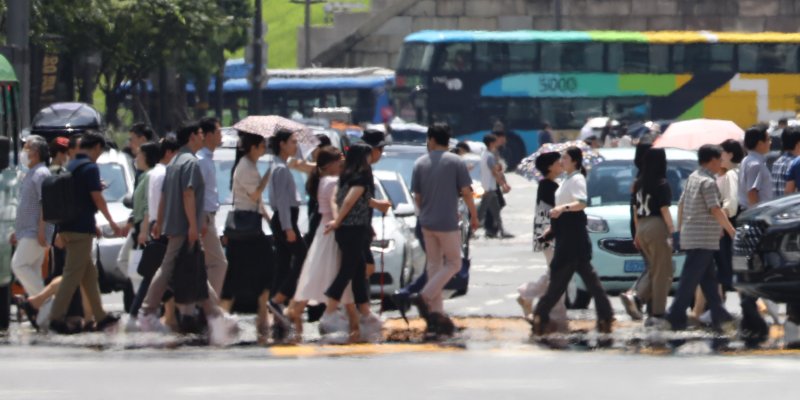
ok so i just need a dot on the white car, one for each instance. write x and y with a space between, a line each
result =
117 176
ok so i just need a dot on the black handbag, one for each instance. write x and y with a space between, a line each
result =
190 280
152 256
241 224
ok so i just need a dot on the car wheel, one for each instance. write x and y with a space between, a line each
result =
5 307
577 299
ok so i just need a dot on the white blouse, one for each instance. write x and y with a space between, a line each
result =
245 181
572 189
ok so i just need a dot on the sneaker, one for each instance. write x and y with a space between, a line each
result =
657 323
131 324
705 318
527 306
629 301
151 323
371 328
222 330
334 322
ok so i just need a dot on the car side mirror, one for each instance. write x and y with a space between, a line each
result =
127 201
404 210
5 152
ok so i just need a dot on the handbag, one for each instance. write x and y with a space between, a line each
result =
152 256
241 224
190 280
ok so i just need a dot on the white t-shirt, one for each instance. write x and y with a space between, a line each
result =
572 189
154 189
488 164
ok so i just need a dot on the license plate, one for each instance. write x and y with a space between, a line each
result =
634 266
740 263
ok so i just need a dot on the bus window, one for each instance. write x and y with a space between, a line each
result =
348 98
330 100
523 56
570 56
702 57
415 57
455 57
520 113
768 57
570 113
638 58
491 56
628 108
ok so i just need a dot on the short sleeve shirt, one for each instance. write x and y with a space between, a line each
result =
754 174
793 174
572 189
87 180
699 229
183 173
29 209
780 170
438 178
649 204
154 186
205 158
140 204
360 214
246 179
488 164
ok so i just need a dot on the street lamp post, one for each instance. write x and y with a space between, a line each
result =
257 73
307 29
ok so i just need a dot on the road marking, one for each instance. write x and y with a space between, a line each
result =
350 350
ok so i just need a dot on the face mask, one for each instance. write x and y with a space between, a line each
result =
23 158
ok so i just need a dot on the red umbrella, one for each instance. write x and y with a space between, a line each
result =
692 134
269 125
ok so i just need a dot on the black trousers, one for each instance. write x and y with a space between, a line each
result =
351 241
724 260
564 265
289 257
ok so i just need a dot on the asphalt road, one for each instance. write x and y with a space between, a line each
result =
492 356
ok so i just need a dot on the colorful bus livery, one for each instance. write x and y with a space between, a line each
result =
524 78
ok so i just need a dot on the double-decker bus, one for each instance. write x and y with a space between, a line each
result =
525 78
9 156
365 91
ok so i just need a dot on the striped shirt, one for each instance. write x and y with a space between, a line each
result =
779 172
29 208
699 229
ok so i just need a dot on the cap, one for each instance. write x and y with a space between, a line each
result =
374 138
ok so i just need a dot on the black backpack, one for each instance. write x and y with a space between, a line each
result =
59 199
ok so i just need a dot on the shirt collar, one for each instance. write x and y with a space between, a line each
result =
206 153
279 160
757 156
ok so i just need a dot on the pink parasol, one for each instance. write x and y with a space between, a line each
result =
692 134
268 125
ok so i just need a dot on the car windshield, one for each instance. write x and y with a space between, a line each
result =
610 182
224 175
401 162
112 175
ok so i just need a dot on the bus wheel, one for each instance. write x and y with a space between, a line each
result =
514 150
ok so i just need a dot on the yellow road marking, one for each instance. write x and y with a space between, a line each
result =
356 350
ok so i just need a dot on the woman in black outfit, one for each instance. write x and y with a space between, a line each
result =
353 228
573 251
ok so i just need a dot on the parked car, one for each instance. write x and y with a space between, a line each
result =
616 259
766 260
66 119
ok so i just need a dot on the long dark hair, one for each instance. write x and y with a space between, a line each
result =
576 155
356 166
326 156
654 171
276 140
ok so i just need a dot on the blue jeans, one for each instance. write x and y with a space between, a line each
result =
698 269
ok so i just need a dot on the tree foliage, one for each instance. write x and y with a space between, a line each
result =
134 38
